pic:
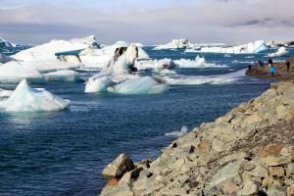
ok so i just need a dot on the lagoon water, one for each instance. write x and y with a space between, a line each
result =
64 153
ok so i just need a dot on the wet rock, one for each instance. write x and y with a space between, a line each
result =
118 167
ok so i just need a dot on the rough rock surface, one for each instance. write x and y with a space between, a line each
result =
248 151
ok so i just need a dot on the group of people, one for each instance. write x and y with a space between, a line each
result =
271 66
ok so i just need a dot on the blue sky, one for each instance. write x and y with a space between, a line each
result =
147 21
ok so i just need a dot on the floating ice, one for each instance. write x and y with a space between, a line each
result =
281 52
13 72
47 51
5 93
62 76
252 47
27 99
142 85
198 80
156 64
175 44
182 132
98 83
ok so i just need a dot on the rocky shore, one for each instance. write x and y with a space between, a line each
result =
248 151
281 71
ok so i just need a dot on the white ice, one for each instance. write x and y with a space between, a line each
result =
62 76
5 93
177 79
47 51
13 72
27 99
281 52
175 44
141 85
252 47
98 83
182 132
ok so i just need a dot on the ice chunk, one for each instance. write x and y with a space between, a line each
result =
47 51
156 64
198 80
182 132
142 85
252 47
13 72
175 44
281 52
5 93
62 76
27 99
98 83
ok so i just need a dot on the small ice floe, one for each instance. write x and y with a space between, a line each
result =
183 131
27 99
5 93
281 52
63 76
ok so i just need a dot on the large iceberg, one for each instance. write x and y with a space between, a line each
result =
141 85
27 99
13 72
252 47
118 76
281 52
175 44
47 51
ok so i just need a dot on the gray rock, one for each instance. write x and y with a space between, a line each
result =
118 167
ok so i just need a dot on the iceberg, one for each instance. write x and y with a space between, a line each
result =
47 51
62 76
175 44
156 64
5 93
98 83
281 52
118 76
13 72
27 99
229 78
250 48
142 85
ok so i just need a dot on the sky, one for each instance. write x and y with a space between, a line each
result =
147 21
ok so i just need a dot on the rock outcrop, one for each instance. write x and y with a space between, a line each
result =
248 151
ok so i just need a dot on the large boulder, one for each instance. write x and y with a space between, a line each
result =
118 167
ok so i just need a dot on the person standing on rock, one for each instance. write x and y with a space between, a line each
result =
272 70
288 65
